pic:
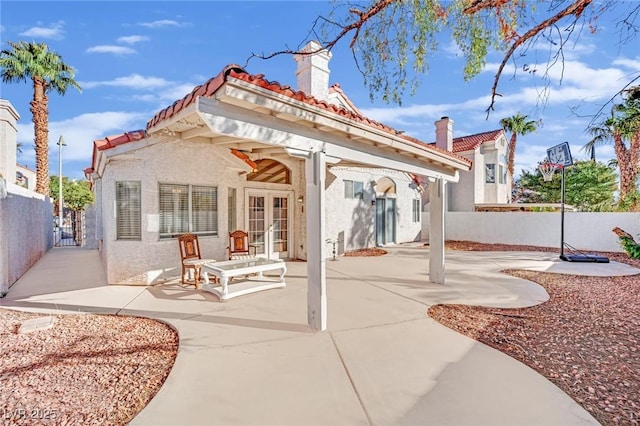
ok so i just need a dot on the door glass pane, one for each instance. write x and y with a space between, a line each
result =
256 223
380 221
280 224
390 220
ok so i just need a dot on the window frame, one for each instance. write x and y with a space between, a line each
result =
353 189
125 210
231 208
502 174
416 210
187 221
490 173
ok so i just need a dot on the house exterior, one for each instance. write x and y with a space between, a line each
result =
297 169
25 177
488 184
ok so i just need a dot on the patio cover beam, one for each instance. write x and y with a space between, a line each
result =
315 147
231 120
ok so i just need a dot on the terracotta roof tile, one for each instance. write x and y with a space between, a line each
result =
111 142
235 71
471 142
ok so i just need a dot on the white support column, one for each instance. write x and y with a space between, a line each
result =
437 203
315 166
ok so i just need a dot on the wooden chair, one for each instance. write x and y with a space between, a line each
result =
190 257
239 247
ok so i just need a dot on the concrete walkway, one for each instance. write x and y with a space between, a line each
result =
254 361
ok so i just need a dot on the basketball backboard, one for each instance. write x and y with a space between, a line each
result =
560 154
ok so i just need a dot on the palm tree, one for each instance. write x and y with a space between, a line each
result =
48 72
517 125
623 128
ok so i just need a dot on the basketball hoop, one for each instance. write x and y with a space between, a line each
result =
547 169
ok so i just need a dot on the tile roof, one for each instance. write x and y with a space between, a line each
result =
235 71
471 142
111 142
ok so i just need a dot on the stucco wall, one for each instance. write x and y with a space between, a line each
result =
352 221
26 232
461 194
154 259
584 231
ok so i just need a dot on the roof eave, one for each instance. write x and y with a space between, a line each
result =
235 90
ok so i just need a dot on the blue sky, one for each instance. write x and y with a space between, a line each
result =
135 58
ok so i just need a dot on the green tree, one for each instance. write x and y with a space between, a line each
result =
589 186
76 194
48 72
518 125
622 128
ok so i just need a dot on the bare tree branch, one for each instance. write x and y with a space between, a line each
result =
574 9
362 18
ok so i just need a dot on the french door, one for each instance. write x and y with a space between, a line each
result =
268 216
385 221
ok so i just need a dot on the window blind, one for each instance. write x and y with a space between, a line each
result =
187 208
128 210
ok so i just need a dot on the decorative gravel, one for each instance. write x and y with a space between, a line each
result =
85 370
104 369
585 338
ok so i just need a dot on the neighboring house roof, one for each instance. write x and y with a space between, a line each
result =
471 142
210 87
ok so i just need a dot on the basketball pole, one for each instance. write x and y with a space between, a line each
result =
562 256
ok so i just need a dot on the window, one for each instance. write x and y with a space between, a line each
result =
231 209
416 210
128 211
188 208
353 189
503 173
490 173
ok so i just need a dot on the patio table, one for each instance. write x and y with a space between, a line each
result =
229 269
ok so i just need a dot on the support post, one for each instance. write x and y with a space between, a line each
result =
315 166
60 201
562 256
437 203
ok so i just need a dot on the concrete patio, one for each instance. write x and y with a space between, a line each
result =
253 360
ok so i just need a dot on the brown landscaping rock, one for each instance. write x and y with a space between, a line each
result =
585 338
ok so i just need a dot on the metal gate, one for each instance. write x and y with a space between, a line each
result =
71 231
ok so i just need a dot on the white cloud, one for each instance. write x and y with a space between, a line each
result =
176 92
54 31
632 64
133 81
161 23
79 133
116 50
132 39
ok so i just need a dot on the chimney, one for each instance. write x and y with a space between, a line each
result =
313 71
444 134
